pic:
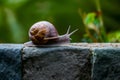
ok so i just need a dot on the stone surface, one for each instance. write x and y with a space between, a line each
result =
76 61
10 61
106 63
56 63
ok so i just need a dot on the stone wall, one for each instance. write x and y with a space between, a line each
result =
75 61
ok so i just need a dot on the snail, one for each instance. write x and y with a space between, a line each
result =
44 33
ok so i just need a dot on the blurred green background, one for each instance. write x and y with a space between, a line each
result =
17 16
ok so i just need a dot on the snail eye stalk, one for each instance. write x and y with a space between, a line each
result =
71 32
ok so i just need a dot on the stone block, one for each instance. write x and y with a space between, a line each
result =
10 61
106 63
56 63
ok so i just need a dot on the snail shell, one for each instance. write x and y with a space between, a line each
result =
43 33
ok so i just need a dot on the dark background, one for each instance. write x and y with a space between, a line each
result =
17 16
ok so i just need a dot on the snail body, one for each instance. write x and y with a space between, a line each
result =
44 33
